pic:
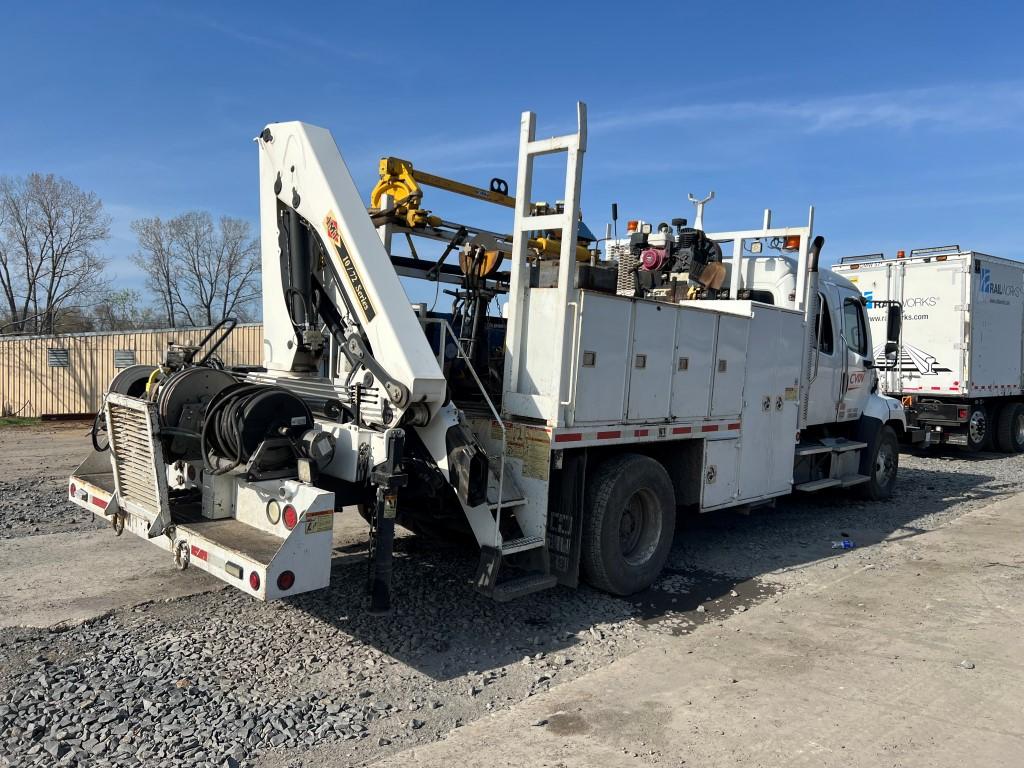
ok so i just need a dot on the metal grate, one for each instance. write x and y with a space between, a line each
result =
625 284
124 358
131 443
58 357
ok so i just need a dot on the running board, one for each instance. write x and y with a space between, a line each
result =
831 482
521 544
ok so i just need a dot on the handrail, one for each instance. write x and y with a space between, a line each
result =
497 416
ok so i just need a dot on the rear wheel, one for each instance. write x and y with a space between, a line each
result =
1010 428
628 524
883 453
979 429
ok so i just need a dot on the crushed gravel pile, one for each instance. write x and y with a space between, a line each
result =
29 507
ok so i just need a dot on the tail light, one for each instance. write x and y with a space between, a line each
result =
286 581
290 517
73 490
254 581
962 414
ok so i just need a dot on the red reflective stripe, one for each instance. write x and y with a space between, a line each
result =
640 433
681 430
936 389
97 501
734 426
568 437
608 435
709 428
200 553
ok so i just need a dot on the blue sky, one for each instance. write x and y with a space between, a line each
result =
901 122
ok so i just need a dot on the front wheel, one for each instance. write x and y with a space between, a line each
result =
883 454
628 525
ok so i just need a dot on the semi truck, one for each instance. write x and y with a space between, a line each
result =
958 367
673 367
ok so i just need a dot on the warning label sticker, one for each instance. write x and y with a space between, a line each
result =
532 445
319 522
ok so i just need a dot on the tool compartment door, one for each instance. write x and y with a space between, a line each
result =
770 403
650 377
602 358
693 362
729 365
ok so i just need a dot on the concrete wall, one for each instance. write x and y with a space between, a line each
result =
30 386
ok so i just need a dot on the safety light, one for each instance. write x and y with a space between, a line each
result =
900 254
791 243
291 517
855 266
632 225
941 258
286 581
254 580
273 512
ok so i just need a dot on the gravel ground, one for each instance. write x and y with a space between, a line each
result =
217 679
30 508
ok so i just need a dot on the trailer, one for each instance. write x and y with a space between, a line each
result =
958 367
675 367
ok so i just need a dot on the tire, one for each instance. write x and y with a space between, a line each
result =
883 460
979 429
628 524
1010 428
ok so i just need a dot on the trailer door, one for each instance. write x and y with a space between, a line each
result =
997 323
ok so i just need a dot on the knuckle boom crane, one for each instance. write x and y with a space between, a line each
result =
560 436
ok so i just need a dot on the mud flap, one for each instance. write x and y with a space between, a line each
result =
565 517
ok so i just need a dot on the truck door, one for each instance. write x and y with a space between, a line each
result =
856 378
823 397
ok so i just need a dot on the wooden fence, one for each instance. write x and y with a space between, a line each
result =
67 375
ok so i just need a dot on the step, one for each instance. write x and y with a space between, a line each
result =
851 480
521 586
841 444
521 544
810 449
817 485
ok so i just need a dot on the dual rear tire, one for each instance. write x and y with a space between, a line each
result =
628 524
996 428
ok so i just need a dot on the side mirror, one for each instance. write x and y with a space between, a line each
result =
893 326
891 348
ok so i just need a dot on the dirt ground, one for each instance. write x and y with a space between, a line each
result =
563 678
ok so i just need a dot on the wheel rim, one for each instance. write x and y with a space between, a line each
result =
1018 428
639 528
977 426
885 464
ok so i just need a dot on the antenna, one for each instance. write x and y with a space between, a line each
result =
615 219
698 221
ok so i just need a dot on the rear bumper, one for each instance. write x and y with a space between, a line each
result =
245 556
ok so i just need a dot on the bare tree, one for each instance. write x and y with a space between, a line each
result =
202 271
49 228
156 258
123 311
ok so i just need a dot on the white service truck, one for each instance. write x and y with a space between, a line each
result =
677 368
958 366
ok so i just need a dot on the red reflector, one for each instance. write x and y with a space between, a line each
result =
254 580
290 517
962 413
286 581
97 501
199 553
72 490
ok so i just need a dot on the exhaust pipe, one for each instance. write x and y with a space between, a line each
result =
811 308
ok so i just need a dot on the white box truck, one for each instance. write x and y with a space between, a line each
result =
959 364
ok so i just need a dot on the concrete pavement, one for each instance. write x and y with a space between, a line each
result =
862 666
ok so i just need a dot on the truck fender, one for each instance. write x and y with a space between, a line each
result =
884 409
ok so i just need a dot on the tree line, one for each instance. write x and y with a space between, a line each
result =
55 277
